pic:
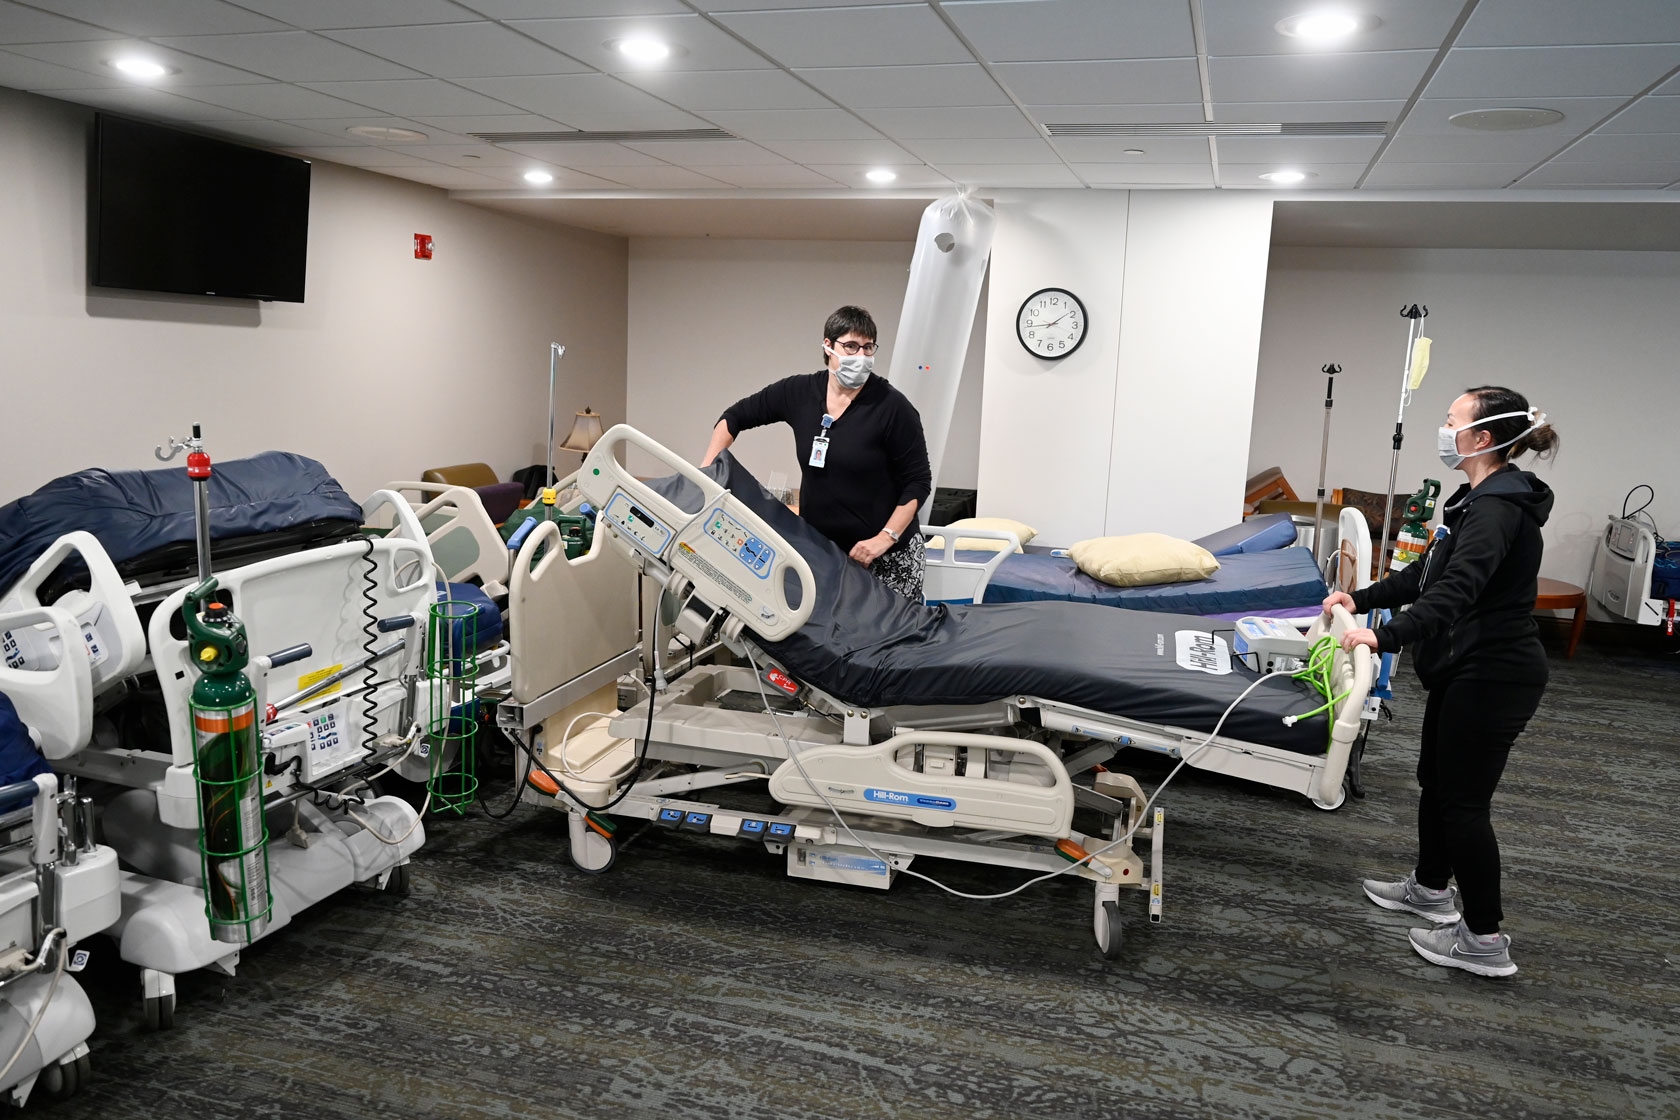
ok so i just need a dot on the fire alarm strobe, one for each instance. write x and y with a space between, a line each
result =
422 246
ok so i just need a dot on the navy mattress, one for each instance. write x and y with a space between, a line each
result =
1245 582
869 646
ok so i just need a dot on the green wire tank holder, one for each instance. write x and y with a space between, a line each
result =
452 724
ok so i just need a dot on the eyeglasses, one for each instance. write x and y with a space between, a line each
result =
853 347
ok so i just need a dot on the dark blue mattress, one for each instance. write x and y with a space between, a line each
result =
1245 581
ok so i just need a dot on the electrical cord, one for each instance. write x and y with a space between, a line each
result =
40 1012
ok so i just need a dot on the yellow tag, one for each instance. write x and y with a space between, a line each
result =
318 676
685 549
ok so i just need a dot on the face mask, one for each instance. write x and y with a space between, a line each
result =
1446 439
854 368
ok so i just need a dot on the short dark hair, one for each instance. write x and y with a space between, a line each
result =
1496 400
848 320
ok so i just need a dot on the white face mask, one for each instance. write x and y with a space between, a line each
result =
854 368
1446 439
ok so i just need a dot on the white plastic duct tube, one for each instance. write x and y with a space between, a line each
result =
946 272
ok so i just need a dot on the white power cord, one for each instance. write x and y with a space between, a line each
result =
413 739
40 1013
1141 817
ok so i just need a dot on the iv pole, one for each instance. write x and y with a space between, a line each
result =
555 353
1319 535
1415 315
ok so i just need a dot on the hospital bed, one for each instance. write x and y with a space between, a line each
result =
57 885
1633 577
885 731
337 626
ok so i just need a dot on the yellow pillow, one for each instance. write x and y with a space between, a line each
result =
1142 559
986 544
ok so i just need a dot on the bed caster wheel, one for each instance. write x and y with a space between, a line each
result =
160 1012
591 852
64 1079
1111 932
1334 803
398 881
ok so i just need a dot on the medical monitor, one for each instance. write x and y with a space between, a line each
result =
174 212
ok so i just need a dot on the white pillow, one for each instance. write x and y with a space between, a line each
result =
1142 559
986 544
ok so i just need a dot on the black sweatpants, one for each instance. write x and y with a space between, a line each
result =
1468 729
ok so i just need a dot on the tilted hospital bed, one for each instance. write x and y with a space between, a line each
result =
952 732
337 628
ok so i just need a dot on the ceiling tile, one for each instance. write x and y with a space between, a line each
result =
277 101
316 15
1552 71
534 9
883 36
360 155
1433 115
1002 123
752 5
1146 174
1149 81
1011 175
717 153
1354 76
812 152
1252 112
291 56
26 25
1647 175
559 95
272 134
1113 149
664 177
1472 147
1670 88
1249 27
449 178
340 127
1320 176
590 121
1523 23
18 72
1648 114
1443 176
91 57
470 156
765 176
1298 149
412 98
460 50
584 153
702 90
982 151
911 176
703 46
907 87
153 103
165 17
1057 30
490 122
1118 114
1622 149
564 179
794 124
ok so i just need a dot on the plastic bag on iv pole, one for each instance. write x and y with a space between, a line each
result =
1420 362
947 270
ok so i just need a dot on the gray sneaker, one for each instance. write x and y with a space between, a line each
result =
1408 896
1458 948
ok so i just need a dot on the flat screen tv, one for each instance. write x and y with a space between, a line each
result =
174 212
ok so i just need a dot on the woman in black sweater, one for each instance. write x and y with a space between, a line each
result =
863 458
1477 652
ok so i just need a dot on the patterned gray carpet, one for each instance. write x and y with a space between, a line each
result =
696 980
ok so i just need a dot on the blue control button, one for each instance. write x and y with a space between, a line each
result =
697 822
670 818
751 829
781 831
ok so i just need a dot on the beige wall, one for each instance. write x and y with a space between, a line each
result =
391 365
714 320
1588 337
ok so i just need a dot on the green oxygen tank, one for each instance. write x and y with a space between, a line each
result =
227 764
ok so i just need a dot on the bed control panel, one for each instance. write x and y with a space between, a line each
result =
629 519
1274 641
748 549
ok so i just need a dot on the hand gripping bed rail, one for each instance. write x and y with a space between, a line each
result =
56 702
1351 675
110 628
734 559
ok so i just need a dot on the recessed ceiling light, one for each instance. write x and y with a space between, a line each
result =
1132 152
143 68
641 48
538 178
386 133
1286 178
880 175
1326 25
1505 120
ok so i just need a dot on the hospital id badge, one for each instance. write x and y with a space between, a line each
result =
819 451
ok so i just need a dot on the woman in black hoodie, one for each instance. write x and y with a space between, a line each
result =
1477 652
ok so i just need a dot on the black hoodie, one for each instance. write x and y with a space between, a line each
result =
1472 595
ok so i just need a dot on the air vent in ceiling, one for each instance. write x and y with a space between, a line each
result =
639 136
1291 128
